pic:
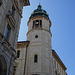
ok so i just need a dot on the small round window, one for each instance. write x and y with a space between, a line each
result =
36 36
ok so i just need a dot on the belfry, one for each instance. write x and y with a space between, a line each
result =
35 56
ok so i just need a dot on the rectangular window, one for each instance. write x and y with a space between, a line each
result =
7 32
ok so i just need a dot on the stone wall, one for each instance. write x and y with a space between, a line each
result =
10 18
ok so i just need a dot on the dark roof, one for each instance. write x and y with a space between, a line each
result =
39 12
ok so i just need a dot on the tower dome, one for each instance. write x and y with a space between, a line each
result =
39 12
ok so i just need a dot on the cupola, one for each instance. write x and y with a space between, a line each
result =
39 19
39 12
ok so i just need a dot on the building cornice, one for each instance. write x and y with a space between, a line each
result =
22 43
58 59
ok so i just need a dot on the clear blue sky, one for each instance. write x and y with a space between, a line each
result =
62 16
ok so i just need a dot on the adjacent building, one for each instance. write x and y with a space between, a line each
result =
35 56
10 18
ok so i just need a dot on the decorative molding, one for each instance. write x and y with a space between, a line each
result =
39 29
11 18
15 3
17 7
25 2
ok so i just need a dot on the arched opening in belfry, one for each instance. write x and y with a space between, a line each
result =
37 24
3 66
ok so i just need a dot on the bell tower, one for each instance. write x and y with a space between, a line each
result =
39 53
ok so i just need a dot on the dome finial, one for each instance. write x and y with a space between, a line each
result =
39 3
39 12
39 6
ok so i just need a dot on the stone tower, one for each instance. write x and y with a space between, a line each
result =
35 56
39 54
10 17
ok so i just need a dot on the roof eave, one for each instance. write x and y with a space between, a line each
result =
58 59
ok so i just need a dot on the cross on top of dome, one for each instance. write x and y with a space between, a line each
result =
39 6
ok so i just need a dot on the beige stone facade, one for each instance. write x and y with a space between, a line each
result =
58 66
35 56
10 18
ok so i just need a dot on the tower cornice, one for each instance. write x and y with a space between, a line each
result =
39 29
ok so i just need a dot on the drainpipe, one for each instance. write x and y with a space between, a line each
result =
25 58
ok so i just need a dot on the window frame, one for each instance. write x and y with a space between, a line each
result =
7 31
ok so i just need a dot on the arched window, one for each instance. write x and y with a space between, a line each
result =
18 53
35 58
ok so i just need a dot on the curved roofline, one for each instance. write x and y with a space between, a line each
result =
39 12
